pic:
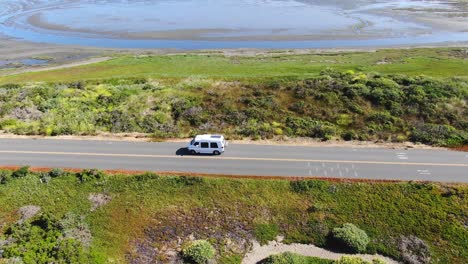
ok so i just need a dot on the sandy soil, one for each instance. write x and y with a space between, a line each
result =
259 253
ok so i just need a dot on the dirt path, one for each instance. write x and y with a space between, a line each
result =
57 67
259 253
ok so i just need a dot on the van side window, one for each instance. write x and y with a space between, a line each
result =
204 145
196 143
213 145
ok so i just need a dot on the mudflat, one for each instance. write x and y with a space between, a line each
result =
210 24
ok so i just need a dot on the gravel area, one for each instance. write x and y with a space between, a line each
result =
259 253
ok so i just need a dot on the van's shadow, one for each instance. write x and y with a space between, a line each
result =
186 152
182 152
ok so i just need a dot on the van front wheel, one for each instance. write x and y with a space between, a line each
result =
216 152
193 152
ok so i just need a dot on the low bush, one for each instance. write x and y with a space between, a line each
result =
265 232
189 180
41 241
349 237
21 172
5 176
57 172
303 186
442 135
351 260
198 251
293 258
90 175
357 260
286 258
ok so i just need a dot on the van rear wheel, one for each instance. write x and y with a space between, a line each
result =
216 152
193 152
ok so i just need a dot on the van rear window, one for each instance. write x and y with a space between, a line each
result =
214 145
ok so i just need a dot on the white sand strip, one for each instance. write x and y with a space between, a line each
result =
259 253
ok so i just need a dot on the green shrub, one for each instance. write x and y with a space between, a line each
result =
350 237
349 135
286 258
5 176
41 241
44 177
351 260
292 258
306 185
21 172
198 251
231 259
443 135
265 232
189 180
57 172
90 175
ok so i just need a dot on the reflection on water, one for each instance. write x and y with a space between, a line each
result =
195 24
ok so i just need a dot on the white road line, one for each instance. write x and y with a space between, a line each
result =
234 158
424 172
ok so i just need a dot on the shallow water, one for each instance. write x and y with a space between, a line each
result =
199 24
4 64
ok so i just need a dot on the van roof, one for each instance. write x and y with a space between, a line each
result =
209 137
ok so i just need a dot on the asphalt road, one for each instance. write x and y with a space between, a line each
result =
261 160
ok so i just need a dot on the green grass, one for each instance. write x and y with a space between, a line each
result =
432 62
292 258
155 211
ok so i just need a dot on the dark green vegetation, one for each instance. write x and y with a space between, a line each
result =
348 105
148 217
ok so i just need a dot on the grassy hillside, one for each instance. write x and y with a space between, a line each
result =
432 62
112 219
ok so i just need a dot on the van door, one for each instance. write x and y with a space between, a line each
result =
205 148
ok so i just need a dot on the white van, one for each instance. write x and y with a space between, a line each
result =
207 144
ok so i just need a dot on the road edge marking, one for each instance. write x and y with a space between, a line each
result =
231 158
